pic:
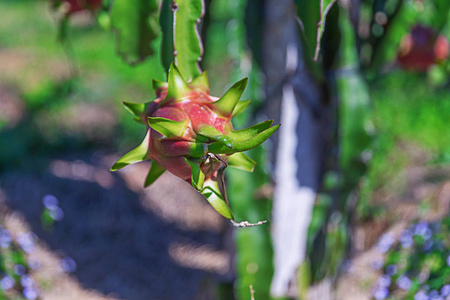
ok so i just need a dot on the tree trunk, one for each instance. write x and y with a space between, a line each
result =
294 99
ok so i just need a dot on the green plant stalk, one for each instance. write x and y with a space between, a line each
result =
187 42
354 138
329 240
253 245
254 252
136 25
354 110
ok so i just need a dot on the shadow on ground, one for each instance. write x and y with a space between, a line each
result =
120 247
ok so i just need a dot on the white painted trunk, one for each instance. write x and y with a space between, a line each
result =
293 203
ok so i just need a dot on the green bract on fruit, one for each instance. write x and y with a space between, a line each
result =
189 134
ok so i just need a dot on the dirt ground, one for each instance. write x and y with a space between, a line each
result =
128 243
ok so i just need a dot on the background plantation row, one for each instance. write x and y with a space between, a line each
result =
379 227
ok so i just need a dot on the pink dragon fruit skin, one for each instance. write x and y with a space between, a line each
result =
170 152
189 133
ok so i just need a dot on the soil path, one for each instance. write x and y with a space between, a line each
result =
127 244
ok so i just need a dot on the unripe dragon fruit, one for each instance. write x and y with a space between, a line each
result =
189 134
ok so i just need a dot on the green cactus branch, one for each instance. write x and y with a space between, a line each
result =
323 12
136 25
188 47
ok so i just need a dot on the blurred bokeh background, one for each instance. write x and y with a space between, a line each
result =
378 98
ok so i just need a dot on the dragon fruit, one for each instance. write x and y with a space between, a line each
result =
189 134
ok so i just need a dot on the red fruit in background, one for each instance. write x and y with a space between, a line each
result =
422 48
79 5
441 48
73 6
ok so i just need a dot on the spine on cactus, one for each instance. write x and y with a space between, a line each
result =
189 133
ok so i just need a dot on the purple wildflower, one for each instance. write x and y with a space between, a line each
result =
57 213
385 242
404 282
20 270
391 270
69 265
406 239
26 241
384 281
50 202
380 293
30 293
27 281
7 282
5 239
421 295
445 290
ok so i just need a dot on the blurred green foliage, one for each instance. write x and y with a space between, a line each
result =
51 78
406 111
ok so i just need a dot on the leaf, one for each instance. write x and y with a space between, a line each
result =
214 134
136 25
226 104
177 86
241 161
214 197
240 107
168 128
197 177
155 171
136 109
136 155
187 42
245 139
200 82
